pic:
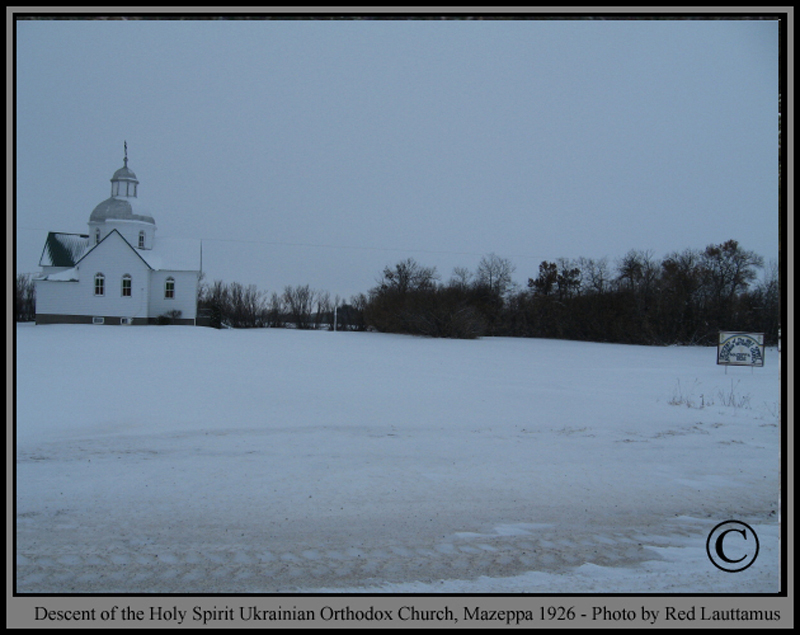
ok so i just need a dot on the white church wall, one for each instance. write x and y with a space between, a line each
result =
56 297
113 259
184 298
130 231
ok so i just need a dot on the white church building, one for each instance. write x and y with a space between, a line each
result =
120 272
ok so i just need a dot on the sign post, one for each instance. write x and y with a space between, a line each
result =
736 348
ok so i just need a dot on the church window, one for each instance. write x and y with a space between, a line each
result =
96 235
141 240
126 286
169 288
99 284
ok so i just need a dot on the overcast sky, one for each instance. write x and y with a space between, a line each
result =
318 152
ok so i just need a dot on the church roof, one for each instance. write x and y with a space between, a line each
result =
118 208
124 174
68 275
63 250
168 254
173 254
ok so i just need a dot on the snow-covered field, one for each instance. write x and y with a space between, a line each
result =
189 460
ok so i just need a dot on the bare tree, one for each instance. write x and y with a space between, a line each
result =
408 275
299 304
214 299
352 314
461 278
629 269
729 269
595 275
495 272
568 279
276 310
24 298
324 309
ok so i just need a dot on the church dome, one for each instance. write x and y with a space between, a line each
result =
124 173
123 203
118 208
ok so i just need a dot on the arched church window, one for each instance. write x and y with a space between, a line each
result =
126 286
99 284
169 288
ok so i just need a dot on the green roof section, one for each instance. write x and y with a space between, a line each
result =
63 250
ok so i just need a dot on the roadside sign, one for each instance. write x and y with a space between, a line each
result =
740 349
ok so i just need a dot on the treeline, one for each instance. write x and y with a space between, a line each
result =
684 298
234 305
24 298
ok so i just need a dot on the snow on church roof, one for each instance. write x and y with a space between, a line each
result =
70 275
124 173
120 208
63 250
173 254
168 254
